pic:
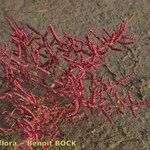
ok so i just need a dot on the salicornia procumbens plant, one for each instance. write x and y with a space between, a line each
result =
46 79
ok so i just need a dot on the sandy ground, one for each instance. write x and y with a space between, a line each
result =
76 17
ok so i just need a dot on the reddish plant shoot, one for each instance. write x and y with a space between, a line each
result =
46 79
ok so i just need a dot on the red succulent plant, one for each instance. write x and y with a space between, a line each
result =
46 79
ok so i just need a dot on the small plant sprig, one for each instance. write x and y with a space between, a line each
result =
46 79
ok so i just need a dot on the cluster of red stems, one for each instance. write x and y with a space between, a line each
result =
46 79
